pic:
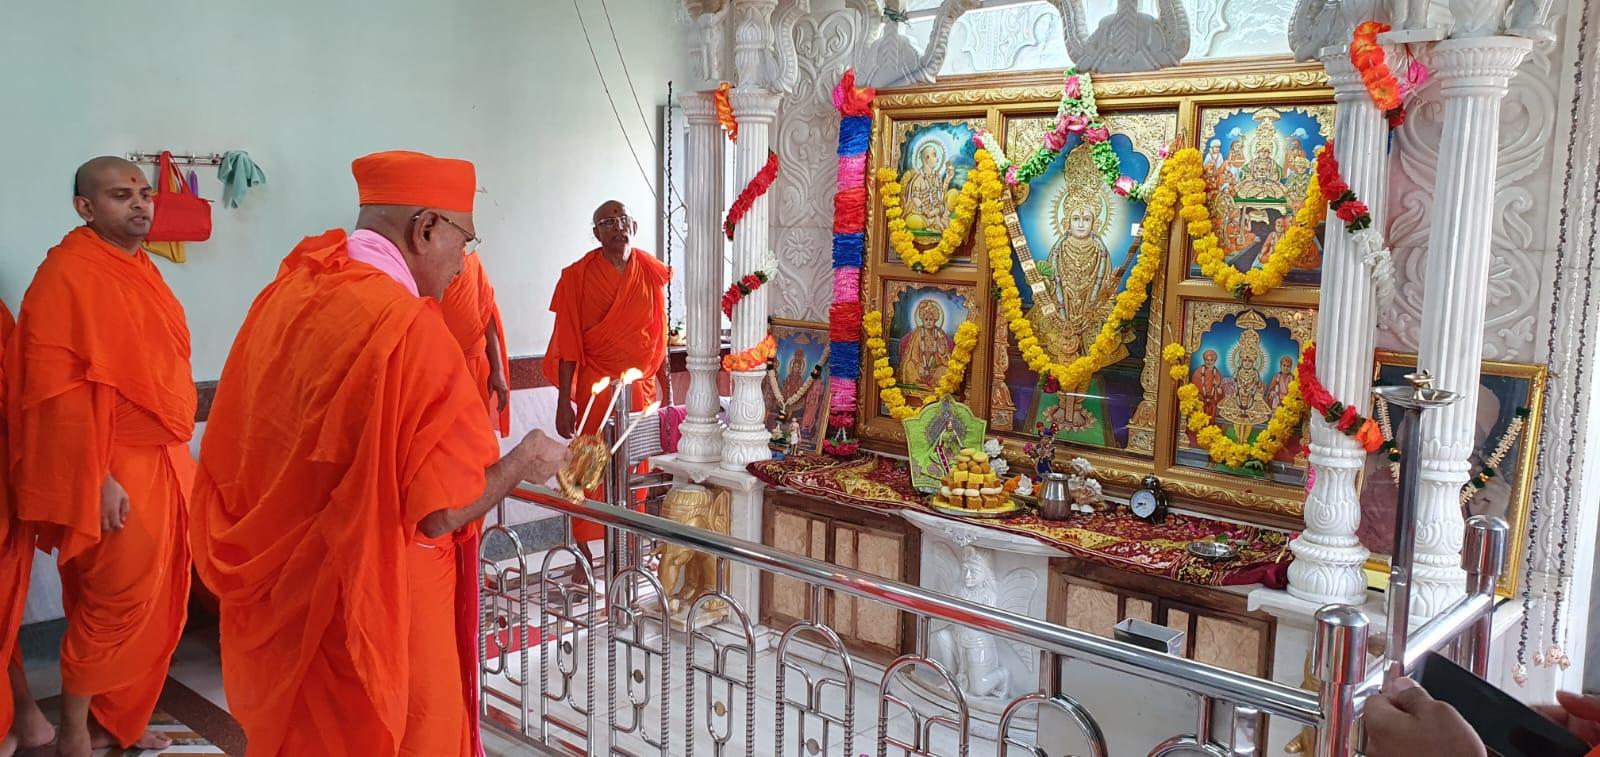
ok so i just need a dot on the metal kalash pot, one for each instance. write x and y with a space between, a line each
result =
1055 502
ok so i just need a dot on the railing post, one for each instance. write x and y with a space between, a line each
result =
1484 558
1340 657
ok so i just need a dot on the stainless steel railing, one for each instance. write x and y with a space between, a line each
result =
714 648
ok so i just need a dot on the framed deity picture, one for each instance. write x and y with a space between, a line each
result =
1505 392
1076 248
1258 162
921 319
797 391
932 160
1242 359
935 436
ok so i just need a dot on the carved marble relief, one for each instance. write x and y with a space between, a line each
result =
1524 223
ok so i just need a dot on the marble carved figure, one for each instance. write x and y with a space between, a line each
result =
1127 40
974 656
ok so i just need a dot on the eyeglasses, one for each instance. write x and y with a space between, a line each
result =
614 222
472 241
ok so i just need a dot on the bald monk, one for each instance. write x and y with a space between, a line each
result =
610 316
342 454
100 408
22 724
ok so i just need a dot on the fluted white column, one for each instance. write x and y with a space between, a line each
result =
745 439
1472 75
1328 556
702 432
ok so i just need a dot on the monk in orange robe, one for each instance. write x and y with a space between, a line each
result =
100 408
610 311
342 455
474 320
22 725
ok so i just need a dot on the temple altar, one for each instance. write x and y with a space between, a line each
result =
987 233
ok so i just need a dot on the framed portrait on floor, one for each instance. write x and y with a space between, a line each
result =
798 389
1505 391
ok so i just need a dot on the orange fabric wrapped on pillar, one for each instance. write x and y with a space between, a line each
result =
336 429
608 321
98 383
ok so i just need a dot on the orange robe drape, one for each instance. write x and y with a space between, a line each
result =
338 427
98 382
608 321
469 311
16 552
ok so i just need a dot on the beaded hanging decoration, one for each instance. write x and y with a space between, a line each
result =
1573 359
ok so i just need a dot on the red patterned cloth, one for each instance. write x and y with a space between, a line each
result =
1117 539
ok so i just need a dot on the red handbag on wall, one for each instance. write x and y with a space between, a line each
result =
180 216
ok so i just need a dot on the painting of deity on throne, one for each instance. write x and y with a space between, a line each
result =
1074 259
1258 162
1242 359
921 331
933 160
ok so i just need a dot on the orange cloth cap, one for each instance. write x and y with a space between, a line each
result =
401 177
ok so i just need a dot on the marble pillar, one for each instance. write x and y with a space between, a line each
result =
1328 557
745 439
1473 74
702 432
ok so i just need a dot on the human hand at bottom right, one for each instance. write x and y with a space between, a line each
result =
1576 713
1404 721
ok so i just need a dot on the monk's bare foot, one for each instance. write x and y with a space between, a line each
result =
32 729
8 745
75 742
153 740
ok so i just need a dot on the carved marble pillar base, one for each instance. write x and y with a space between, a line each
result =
1328 557
702 432
1472 75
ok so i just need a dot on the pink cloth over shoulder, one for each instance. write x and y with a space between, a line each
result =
374 249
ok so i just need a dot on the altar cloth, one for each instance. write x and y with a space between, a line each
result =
1117 539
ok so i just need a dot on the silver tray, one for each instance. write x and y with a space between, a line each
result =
1213 550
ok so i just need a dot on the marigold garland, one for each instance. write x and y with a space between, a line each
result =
1297 241
753 191
1184 166
753 358
725 112
1249 455
1352 211
982 186
1367 57
955 369
739 289
1078 114
1344 418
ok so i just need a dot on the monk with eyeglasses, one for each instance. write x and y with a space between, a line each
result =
610 309
345 454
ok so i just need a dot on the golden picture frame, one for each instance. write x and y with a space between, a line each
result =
1008 105
1503 388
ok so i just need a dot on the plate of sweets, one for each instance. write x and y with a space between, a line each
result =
971 489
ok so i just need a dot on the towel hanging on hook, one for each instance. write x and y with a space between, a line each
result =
238 174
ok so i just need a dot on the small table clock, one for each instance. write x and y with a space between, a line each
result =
1149 501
